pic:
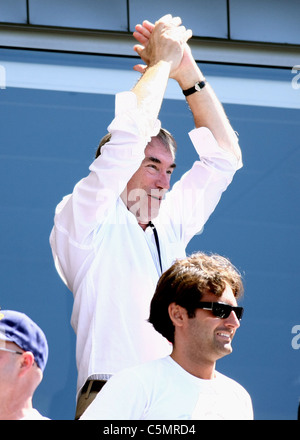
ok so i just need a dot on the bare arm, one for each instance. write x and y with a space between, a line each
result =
206 108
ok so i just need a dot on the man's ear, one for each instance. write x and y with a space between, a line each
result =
26 362
177 314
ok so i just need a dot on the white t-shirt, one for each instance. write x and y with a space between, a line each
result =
33 414
105 258
163 390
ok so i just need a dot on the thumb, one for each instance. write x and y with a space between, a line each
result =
140 68
138 49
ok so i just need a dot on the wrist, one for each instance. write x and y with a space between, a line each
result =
189 78
197 87
160 64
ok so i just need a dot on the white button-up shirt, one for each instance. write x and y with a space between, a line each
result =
106 259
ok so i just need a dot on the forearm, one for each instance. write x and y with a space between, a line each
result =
207 110
150 89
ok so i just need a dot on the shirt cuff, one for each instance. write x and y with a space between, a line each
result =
128 117
209 150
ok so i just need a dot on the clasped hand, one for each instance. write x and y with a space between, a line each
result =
163 41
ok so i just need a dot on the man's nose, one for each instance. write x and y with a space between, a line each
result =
163 181
232 320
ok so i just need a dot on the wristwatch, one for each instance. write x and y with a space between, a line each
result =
196 88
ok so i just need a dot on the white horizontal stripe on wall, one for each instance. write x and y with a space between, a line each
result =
247 91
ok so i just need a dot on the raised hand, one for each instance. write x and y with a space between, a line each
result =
164 40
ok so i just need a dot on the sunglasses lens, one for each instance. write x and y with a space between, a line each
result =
239 312
224 310
221 310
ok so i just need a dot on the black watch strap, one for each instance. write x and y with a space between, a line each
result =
196 88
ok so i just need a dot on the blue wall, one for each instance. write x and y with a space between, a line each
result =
47 141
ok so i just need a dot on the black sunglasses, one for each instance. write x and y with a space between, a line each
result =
221 310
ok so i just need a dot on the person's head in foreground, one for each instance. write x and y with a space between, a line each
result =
195 308
23 358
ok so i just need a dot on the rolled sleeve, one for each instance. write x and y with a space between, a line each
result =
210 152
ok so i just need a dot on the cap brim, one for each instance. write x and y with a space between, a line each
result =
4 337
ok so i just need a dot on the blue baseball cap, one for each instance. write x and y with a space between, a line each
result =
19 328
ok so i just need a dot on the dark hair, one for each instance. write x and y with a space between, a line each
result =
103 141
185 282
164 135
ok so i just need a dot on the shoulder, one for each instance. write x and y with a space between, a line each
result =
144 374
232 385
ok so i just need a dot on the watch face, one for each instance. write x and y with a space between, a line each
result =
197 87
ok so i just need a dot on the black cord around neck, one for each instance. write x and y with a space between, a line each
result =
156 241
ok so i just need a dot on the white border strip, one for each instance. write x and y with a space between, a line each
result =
259 92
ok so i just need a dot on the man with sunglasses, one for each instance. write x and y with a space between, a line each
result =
23 358
195 308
